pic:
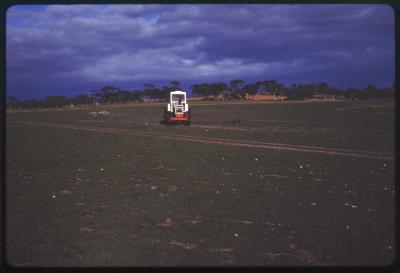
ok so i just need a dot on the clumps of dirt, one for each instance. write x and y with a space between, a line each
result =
194 221
364 106
86 229
100 113
231 142
163 195
303 255
172 169
274 255
273 175
172 188
187 246
224 250
286 130
218 116
190 221
246 222
227 253
323 131
168 222
307 256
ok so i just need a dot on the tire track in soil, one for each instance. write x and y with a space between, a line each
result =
221 141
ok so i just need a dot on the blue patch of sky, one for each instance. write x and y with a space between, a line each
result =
93 13
12 18
151 17
19 8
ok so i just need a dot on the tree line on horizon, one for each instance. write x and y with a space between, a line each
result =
235 90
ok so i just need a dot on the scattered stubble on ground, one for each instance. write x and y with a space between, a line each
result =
127 194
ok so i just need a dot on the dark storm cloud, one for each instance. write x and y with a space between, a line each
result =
67 49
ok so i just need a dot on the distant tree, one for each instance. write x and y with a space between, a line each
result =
333 91
148 86
41 103
111 95
94 96
217 89
225 93
165 92
136 95
150 91
175 84
279 89
294 95
197 90
122 96
387 93
202 90
236 89
14 102
32 103
251 89
56 101
323 88
304 91
106 95
371 92
269 86
81 99
293 92
285 90
353 93
206 90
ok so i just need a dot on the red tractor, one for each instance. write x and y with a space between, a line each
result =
177 110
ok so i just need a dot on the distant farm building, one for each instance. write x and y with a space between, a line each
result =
327 96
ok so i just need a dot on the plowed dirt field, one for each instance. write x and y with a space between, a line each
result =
290 184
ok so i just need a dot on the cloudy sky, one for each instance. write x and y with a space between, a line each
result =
72 49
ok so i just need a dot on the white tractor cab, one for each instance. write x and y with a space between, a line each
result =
177 110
